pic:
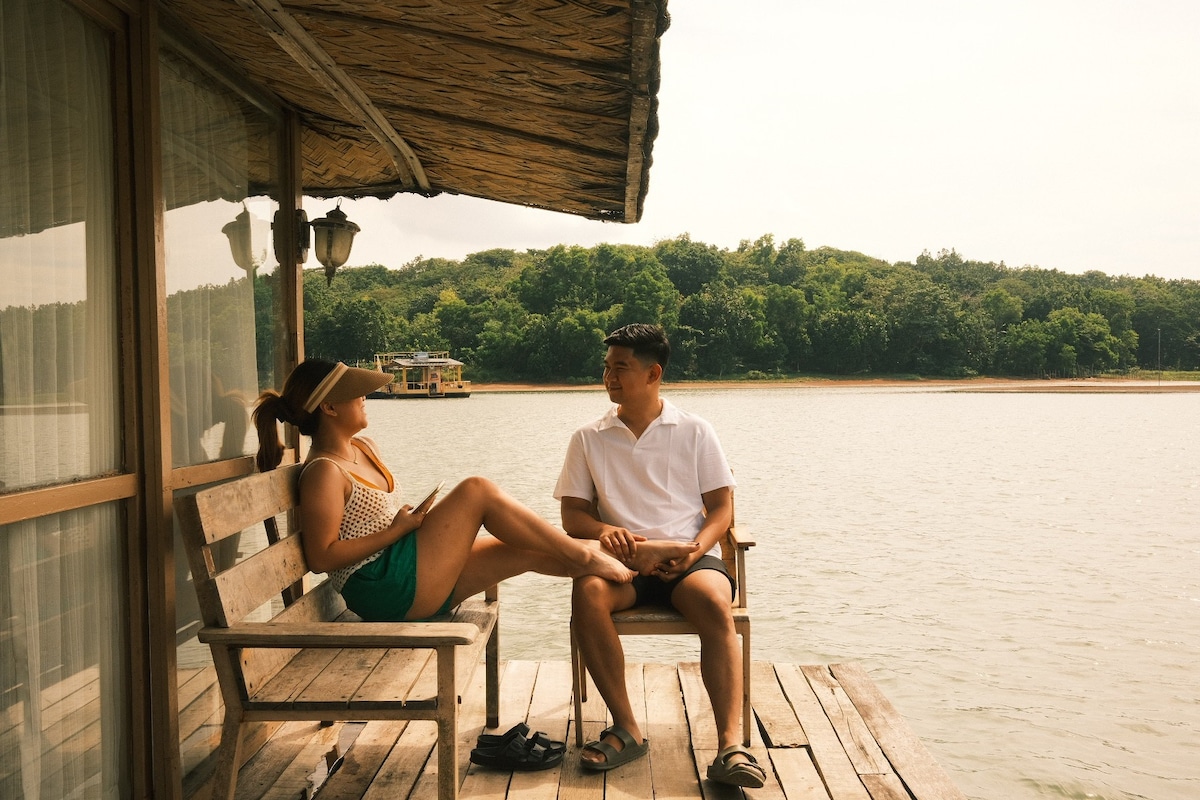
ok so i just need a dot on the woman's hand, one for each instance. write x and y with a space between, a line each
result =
407 520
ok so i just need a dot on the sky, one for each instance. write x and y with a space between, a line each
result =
1062 134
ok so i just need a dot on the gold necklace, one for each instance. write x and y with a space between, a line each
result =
353 450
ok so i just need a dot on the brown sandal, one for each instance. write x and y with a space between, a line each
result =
613 757
738 773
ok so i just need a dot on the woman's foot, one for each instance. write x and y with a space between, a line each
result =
600 563
651 553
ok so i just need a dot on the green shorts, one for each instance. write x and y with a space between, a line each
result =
384 589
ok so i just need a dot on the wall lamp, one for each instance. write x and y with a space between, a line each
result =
332 236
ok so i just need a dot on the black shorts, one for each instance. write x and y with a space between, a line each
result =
652 591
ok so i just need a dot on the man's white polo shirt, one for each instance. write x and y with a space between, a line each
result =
652 485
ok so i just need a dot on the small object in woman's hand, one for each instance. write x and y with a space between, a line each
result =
426 504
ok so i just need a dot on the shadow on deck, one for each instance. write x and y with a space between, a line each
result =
823 732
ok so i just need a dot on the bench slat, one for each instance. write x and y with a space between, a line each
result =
342 634
321 603
393 679
255 580
309 681
293 677
232 507
343 676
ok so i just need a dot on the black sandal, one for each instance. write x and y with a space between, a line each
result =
514 752
491 740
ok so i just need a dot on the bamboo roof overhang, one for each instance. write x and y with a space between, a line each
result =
542 103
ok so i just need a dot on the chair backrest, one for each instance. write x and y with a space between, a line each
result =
227 595
728 546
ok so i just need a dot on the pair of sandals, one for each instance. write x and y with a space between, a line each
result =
516 750
745 772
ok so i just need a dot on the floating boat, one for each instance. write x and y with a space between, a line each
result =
419 373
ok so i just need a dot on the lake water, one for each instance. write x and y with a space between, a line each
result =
1019 573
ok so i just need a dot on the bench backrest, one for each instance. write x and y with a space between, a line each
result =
227 595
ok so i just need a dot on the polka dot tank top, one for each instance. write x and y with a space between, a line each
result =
366 511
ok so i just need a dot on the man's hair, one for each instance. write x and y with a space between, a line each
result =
648 342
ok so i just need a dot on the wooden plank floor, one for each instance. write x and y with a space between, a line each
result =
823 732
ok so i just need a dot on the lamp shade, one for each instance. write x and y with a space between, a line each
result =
238 232
333 235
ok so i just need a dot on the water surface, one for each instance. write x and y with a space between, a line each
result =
1020 573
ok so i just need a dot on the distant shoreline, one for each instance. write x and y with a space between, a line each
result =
1013 385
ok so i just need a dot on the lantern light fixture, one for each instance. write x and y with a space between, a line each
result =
238 232
333 236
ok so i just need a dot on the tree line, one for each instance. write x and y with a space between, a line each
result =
760 310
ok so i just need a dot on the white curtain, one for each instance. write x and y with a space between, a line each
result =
63 675
214 158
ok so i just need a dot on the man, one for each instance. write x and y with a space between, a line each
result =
651 483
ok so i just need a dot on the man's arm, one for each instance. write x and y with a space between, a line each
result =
718 507
579 520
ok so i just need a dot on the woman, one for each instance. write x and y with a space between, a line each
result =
392 562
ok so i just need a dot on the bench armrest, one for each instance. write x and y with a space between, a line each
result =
341 634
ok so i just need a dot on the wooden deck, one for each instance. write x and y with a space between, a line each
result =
823 732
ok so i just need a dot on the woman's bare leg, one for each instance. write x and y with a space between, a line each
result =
492 561
446 540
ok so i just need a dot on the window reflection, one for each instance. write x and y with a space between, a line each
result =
58 341
218 163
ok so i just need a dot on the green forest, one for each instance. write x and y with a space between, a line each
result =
760 311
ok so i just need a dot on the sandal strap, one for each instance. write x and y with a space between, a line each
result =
524 751
725 753
623 735
540 738
751 763
604 748
515 733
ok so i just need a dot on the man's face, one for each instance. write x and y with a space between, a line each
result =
625 377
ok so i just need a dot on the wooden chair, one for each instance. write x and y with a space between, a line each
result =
661 621
315 660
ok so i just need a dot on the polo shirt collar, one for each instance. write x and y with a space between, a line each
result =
670 415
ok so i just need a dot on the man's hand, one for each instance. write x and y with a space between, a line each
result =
620 542
673 568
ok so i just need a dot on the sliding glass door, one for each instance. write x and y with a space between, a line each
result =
64 642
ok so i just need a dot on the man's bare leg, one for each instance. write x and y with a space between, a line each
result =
592 602
703 598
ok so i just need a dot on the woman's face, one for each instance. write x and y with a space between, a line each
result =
351 413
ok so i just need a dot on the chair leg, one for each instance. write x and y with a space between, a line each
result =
492 668
229 757
447 725
747 707
578 685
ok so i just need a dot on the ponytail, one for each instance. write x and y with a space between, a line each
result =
273 407
267 412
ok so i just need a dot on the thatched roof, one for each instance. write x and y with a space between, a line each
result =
544 103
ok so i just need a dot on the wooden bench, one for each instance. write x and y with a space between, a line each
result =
315 660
